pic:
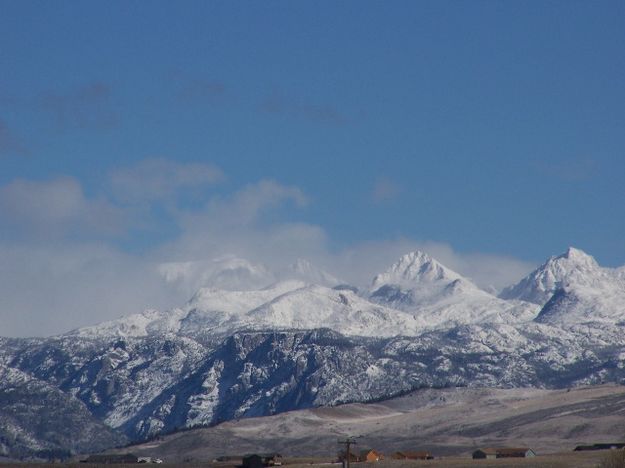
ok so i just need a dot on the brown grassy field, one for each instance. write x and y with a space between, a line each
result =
562 460
448 423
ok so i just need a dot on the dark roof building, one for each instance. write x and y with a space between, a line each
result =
412 455
485 453
520 452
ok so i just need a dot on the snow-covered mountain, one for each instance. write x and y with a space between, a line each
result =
570 269
415 268
267 348
415 294
284 306
574 291
210 310
440 297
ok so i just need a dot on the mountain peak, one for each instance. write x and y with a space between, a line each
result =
571 261
415 267
578 256
571 267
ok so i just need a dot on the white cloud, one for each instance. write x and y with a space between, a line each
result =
228 272
235 225
246 205
158 179
58 206
53 284
54 288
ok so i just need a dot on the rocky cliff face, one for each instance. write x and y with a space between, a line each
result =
41 421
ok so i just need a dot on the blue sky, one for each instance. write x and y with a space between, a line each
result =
137 130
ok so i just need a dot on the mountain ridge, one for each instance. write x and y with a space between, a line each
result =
229 354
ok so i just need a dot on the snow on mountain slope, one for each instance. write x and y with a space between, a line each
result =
599 306
225 311
572 268
39 420
341 310
574 291
472 308
141 324
439 297
208 310
415 294
286 305
239 302
142 386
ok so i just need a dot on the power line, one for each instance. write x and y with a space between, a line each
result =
348 442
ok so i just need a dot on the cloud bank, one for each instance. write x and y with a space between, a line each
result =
63 264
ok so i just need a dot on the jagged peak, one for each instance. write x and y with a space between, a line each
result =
573 266
414 267
577 256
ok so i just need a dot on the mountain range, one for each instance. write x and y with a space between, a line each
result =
251 342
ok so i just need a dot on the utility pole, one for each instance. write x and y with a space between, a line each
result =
348 442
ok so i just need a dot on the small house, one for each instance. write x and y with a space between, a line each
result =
370 456
411 455
485 453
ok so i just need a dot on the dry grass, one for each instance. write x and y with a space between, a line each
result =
591 459
104 465
563 460
613 459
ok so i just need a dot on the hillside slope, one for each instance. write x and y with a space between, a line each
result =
446 422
